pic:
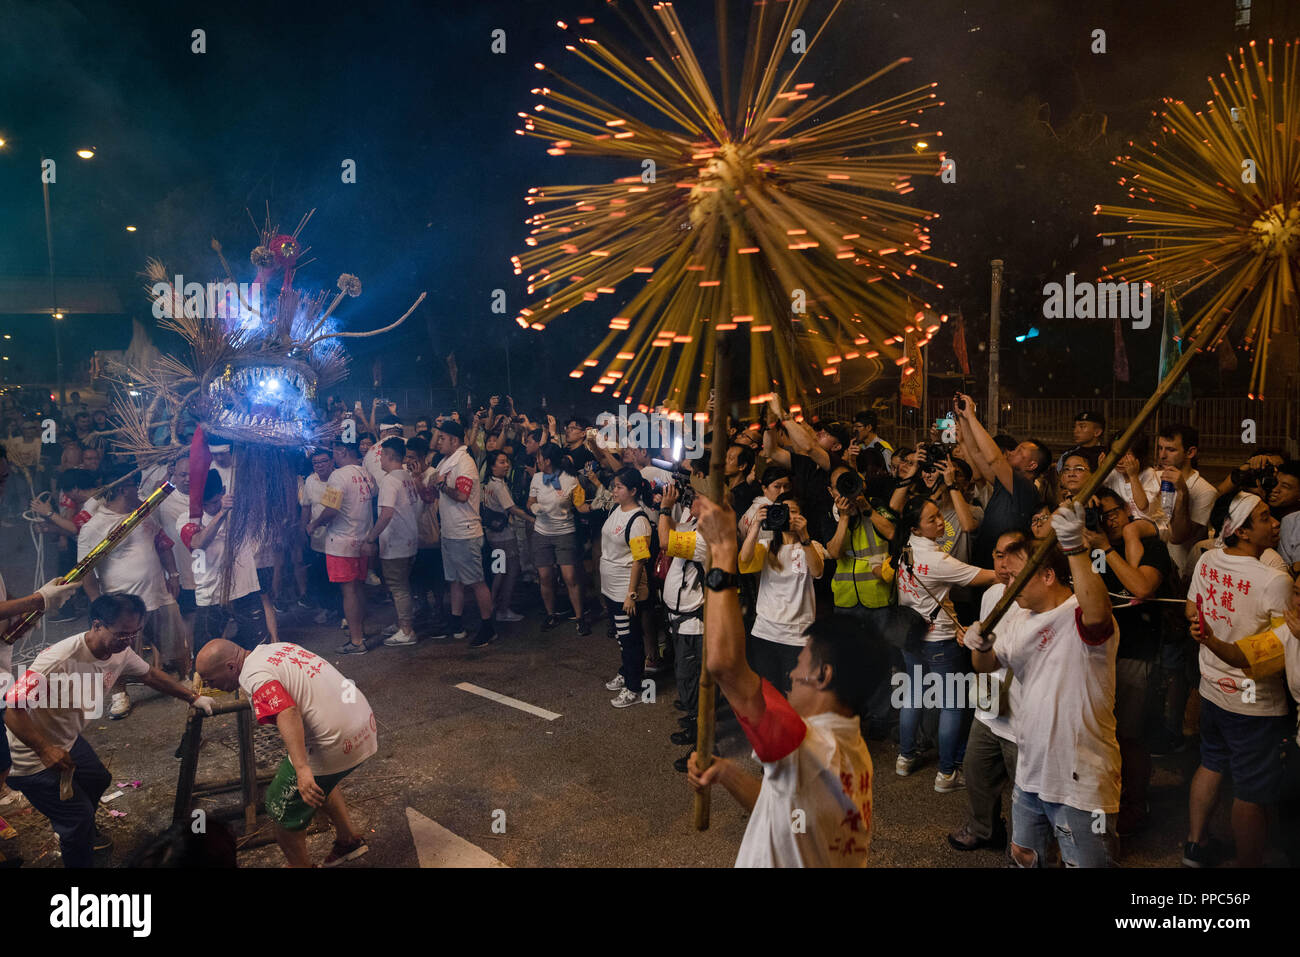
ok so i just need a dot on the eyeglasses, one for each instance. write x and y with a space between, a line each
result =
126 635
1039 520
1075 468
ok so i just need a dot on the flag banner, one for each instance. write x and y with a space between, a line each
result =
1171 350
959 344
911 385
1121 354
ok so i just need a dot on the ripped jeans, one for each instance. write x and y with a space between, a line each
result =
1075 831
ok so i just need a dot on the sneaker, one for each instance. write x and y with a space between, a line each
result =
625 699
509 615
373 580
302 604
390 630
953 781
121 706
905 766
552 621
459 633
1209 854
486 635
344 852
685 736
653 667
688 720
400 639
584 629
347 648
343 624
440 634
322 617
615 684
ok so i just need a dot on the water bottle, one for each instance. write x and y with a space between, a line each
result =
1167 496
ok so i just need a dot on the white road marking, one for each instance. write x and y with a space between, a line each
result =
512 702
435 846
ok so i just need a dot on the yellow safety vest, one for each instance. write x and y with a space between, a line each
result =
854 583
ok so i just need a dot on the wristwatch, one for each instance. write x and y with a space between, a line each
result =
718 580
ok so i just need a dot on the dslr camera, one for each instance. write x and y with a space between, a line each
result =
935 455
849 484
778 518
1265 479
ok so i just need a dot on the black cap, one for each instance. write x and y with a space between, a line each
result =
842 433
452 427
1089 416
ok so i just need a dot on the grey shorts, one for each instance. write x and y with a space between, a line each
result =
551 550
462 560
1131 677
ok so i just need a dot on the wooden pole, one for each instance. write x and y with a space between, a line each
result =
704 722
1098 477
995 338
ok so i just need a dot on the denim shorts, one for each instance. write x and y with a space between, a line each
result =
1075 831
1247 746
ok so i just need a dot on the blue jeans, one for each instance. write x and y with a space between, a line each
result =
938 658
1075 831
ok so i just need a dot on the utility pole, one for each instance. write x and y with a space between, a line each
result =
994 408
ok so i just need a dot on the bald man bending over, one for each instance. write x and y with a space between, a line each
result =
327 727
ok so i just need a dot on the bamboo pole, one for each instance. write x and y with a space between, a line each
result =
704 723
1208 331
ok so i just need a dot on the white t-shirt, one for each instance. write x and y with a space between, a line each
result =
337 722
401 539
937 571
208 570
175 511
1199 507
496 495
460 520
786 604
1272 558
1064 716
827 778
133 566
1239 596
311 493
1150 482
553 511
349 490
62 726
1000 724
373 466
684 583
616 556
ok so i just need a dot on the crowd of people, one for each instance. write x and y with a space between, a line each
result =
843 570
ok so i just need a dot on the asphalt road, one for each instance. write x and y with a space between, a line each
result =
593 787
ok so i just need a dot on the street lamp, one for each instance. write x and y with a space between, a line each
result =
86 153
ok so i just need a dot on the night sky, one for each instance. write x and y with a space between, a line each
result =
412 93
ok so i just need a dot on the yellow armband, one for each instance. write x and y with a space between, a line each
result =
755 564
681 545
887 571
332 498
640 548
579 497
1264 652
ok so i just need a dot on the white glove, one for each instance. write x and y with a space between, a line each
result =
55 594
973 640
1067 521
203 703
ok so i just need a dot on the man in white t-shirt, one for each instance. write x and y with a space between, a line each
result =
142 564
390 427
1233 595
1175 453
327 728
346 515
990 762
1063 651
325 598
459 498
207 538
397 533
223 461
816 767
683 593
47 709
170 511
